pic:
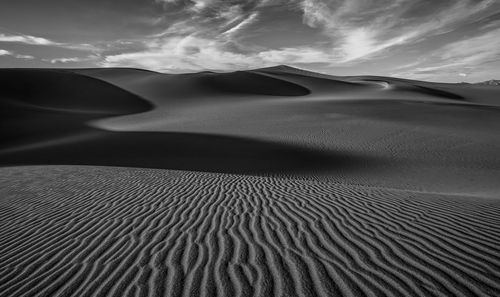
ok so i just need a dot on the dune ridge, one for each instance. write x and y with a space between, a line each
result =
101 231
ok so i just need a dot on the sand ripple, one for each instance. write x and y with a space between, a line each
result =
97 231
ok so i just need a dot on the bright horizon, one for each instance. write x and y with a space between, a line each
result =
449 41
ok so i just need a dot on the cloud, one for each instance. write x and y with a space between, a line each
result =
362 28
17 56
34 40
241 25
26 39
207 38
180 54
66 60
473 50
93 57
462 56
290 55
26 57
193 53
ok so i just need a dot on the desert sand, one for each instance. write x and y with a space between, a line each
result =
267 182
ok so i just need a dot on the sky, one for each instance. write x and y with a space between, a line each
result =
436 40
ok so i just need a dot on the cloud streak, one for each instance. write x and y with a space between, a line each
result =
17 56
34 40
468 55
362 28
27 39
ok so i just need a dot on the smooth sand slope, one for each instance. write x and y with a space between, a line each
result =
270 182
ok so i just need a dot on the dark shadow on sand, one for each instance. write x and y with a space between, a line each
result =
181 151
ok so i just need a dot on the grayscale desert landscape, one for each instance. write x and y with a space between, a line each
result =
298 148
269 182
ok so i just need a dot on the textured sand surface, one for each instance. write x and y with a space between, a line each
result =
270 182
100 231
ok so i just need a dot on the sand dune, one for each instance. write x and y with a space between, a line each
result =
412 135
268 182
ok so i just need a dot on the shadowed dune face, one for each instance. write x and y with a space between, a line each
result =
66 91
361 87
430 91
183 151
252 83
317 83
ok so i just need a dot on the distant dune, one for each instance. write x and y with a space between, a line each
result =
268 182
493 82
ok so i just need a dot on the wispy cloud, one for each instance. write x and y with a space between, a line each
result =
477 49
362 28
72 59
206 39
183 54
34 40
241 25
468 55
17 56
294 55
65 60
192 53
27 39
